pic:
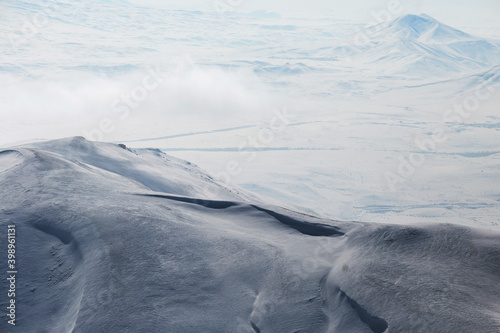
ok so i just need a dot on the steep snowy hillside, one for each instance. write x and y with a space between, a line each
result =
110 239
419 44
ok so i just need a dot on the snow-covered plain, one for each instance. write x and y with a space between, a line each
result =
362 102
112 239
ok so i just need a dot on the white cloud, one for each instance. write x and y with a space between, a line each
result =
189 95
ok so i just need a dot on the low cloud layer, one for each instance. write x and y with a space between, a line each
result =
154 100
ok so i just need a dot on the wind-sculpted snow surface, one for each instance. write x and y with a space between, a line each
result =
112 239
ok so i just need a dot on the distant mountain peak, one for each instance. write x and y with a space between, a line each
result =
412 17
425 27
426 16
417 23
413 44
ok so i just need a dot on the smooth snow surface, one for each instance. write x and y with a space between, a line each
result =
112 239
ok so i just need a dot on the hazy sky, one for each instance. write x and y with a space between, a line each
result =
453 12
463 8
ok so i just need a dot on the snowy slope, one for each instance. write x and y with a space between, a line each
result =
489 79
119 240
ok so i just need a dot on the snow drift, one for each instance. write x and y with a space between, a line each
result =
112 239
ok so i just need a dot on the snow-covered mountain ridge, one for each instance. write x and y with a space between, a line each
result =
112 239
